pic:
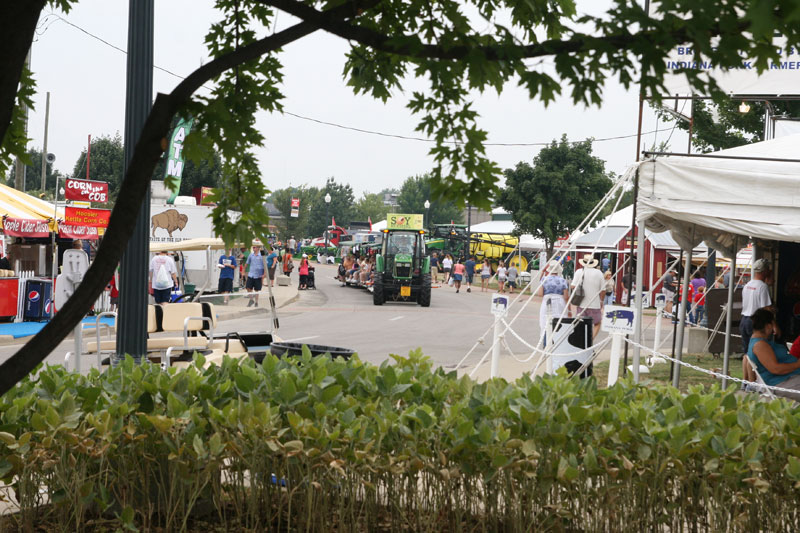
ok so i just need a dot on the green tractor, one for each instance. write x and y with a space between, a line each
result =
402 269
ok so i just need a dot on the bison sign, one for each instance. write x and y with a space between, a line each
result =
170 220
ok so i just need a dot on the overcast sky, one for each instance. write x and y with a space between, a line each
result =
86 79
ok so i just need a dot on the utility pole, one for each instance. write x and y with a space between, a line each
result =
44 147
19 170
133 293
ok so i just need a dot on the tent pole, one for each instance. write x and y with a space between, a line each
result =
637 331
729 316
632 259
687 269
674 325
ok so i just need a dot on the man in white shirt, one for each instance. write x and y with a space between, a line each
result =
755 295
163 277
594 290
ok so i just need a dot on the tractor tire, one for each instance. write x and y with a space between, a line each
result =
424 298
377 291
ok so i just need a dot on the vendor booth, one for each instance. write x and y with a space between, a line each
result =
28 230
728 199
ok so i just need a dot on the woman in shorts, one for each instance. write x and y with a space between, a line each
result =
447 266
501 277
458 274
486 274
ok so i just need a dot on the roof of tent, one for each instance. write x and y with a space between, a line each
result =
17 204
378 226
504 227
750 191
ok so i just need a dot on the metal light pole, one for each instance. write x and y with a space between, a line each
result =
427 213
327 217
132 319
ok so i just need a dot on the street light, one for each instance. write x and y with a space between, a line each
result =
327 208
427 205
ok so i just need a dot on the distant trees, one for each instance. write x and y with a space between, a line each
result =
413 194
33 176
549 198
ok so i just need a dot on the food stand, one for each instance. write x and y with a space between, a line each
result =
29 233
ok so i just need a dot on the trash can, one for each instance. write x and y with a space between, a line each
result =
189 288
38 299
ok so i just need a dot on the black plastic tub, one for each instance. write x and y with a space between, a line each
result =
293 349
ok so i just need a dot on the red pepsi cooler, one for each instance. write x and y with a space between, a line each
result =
38 299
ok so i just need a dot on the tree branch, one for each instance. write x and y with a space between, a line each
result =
132 192
420 50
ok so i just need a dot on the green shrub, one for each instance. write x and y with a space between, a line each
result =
321 444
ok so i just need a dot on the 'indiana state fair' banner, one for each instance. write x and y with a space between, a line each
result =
175 160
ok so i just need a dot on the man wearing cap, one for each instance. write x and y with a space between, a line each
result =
755 295
594 290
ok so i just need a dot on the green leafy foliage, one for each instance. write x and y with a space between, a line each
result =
310 443
370 207
340 208
106 162
550 198
416 190
33 175
460 49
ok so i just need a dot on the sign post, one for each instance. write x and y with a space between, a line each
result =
295 207
618 321
499 310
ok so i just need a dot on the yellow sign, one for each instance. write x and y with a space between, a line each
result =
405 290
400 221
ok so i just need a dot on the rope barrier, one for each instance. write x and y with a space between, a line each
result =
711 372
616 188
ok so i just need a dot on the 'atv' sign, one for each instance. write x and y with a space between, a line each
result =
400 221
618 319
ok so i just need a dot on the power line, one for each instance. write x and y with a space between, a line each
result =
324 122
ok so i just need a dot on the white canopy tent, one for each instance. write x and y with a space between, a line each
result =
748 191
725 198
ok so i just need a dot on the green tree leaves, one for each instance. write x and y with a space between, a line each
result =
551 197
416 190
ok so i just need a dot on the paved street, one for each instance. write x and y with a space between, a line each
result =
344 316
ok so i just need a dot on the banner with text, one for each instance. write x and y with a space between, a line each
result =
295 207
780 77
97 218
24 227
86 190
175 159
69 231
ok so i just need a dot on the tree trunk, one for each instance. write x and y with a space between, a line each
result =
18 19
149 148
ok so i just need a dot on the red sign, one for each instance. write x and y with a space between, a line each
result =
86 190
68 231
296 202
24 227
78 216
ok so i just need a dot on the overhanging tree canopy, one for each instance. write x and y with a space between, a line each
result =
389 40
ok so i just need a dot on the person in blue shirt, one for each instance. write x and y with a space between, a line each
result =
255 276
470 272
605 264
774 363
272 263
227 266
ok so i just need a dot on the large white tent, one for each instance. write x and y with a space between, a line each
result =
726 199
748 191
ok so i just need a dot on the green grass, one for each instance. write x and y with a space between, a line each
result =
661 372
